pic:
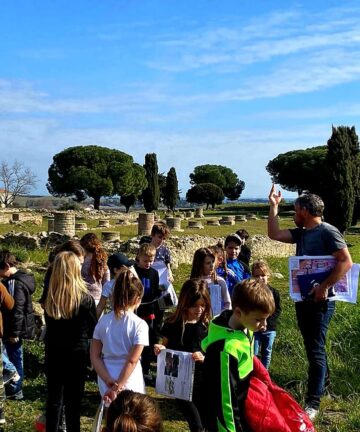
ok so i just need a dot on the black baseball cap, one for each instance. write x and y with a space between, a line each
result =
233 238
118 260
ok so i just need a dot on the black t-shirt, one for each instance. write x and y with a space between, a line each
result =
150 280
65 335
189 340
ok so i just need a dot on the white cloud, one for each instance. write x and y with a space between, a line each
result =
246 151
231 46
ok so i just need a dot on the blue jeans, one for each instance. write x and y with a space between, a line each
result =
14 352
263 343
313 321
8 366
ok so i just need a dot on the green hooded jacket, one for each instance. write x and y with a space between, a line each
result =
227 368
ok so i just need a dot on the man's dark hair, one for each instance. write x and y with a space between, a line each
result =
312 203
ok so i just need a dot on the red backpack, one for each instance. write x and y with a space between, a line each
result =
269 408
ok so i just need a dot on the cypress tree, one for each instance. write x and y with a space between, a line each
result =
340 196
355 156
151 195
171 189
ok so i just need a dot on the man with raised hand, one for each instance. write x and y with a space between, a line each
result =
313 237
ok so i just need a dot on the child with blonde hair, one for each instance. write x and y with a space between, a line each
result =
70 317
264 339
149 309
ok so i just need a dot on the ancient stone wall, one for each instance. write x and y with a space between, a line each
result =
183 248
262 246
36 219
5 218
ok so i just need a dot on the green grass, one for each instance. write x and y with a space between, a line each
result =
289 364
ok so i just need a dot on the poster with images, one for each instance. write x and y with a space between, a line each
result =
175 374
168 297
163 272
305 272
215 298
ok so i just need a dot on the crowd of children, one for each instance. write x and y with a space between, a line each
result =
222 314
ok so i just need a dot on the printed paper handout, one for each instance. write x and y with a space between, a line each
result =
175 374
163 272
168 298
215 298
305 272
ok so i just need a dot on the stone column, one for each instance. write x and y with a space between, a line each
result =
64 223
50 224
213 222
227 220
146 221
110 236
199 213
240 218
195 224
104 223
174 223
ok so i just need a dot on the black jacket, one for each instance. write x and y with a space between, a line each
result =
20 321
273 319
150 280
68 335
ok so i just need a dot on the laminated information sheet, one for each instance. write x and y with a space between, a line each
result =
306 272
215 298
175 374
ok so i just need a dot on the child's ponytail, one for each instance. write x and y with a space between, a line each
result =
127 289
133 412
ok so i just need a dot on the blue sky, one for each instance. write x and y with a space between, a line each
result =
233 83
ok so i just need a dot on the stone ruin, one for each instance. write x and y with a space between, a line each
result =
183 248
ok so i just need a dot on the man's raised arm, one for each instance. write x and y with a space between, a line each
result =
274 232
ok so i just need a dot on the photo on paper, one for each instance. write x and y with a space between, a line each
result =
171 364
175 374
306 272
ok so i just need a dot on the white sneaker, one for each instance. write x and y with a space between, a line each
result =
311 412
16 378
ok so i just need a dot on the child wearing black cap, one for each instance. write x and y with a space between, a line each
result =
115 263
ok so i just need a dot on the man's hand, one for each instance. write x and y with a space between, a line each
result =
14 339
274 198
320 292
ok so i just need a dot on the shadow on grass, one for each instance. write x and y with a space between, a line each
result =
34 390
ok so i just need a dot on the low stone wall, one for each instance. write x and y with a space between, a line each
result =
183 248
36 219
36 241
262 246
5 218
